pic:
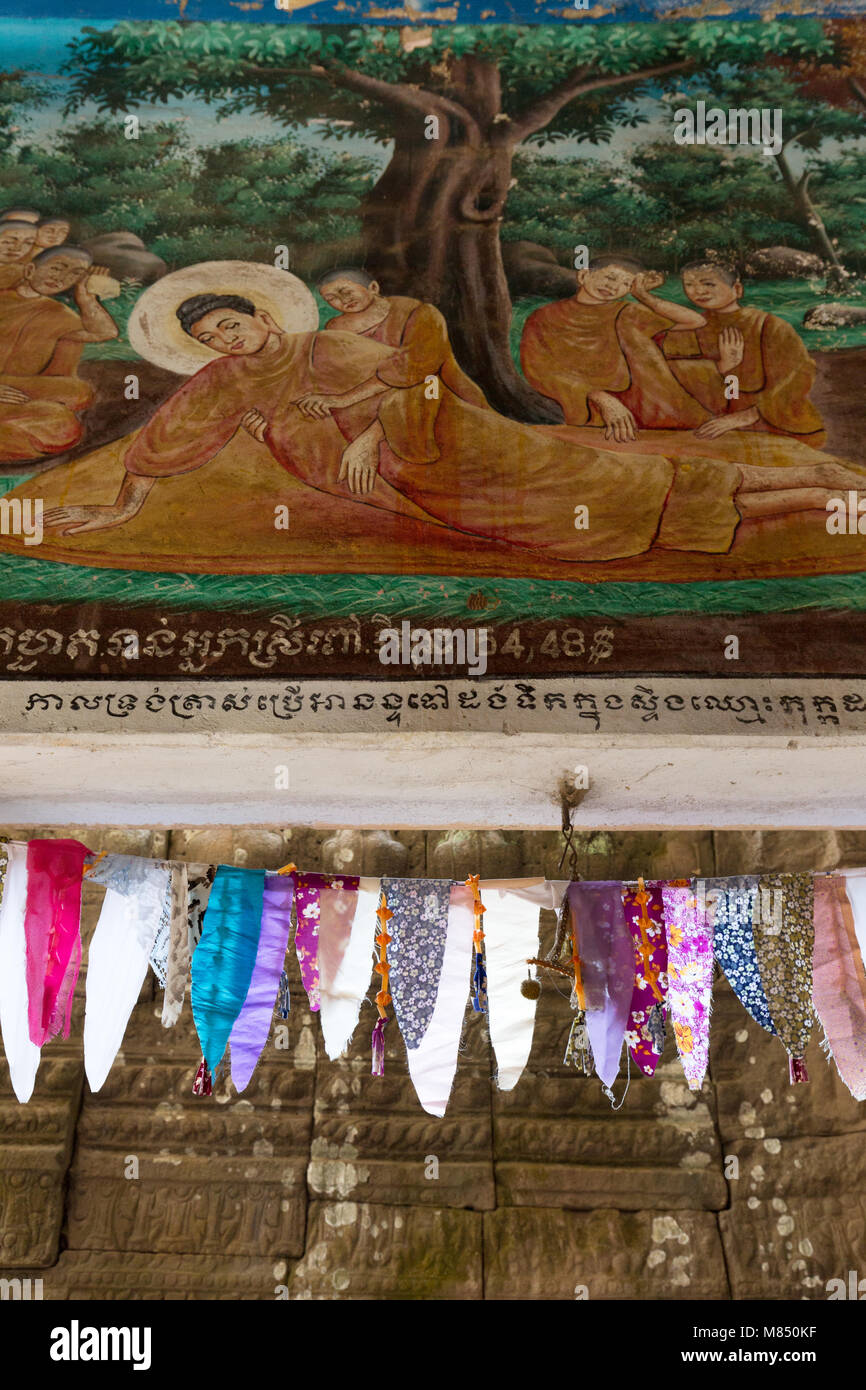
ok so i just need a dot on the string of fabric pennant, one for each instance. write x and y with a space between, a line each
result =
638 958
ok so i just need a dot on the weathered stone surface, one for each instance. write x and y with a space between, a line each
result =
490 853
790 1250
98 1274
531 1253
34 1157
603 854
772 1169
788 851
356 1250
375 853
374 1143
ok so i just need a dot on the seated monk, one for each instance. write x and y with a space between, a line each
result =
494 477
422 333
50 232
17 240
40 347
774 371
597 356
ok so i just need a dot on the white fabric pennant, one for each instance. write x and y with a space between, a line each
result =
510 938
22 1055
342 992
433 1064
117 963
855 887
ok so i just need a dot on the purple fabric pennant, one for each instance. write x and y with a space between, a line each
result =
253 1024
604 946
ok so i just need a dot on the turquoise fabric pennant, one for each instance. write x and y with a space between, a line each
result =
223 964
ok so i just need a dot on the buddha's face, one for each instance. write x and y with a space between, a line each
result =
232 333
708 289
607 283
16 239
348 296
52 234
57 274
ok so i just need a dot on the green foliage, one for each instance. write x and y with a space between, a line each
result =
293 72
231 201
18 91
669 204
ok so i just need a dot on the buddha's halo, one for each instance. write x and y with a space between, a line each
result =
156 335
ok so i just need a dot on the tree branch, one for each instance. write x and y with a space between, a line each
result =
542 113
399 94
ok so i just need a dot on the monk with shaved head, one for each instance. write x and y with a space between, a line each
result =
41 342
597 353
17 241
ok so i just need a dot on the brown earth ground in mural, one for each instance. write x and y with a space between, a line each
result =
315 1179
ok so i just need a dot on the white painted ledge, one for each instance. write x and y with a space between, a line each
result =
432 780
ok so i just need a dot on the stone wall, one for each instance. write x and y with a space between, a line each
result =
319 1180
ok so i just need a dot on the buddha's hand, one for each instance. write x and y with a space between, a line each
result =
359 465
619 423
731 348
255 424
720 424
12 396
68 521
316 407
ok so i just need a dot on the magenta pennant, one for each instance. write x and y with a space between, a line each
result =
52 929
253 1024
644 910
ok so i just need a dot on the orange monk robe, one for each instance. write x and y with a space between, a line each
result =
776 373
38 359
569 350
11 275
408 416
493 477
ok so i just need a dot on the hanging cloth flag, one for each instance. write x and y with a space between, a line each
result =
690 977
253 1024
606 950
222 967
731 906
162 941
839 983
347 931
117 958
418 930
855 888
52 927
645 1035
177 964
307 913
784 930
199 878
510 941
433 1062
22 1055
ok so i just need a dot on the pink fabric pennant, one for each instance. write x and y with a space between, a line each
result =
52 928
689 934
839 982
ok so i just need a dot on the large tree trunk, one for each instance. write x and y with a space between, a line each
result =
431 230
809 215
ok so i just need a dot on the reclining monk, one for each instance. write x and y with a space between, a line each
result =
41 342
597 355
774 372
425 364
494 477
17 240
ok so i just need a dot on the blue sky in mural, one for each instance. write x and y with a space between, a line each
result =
462 11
